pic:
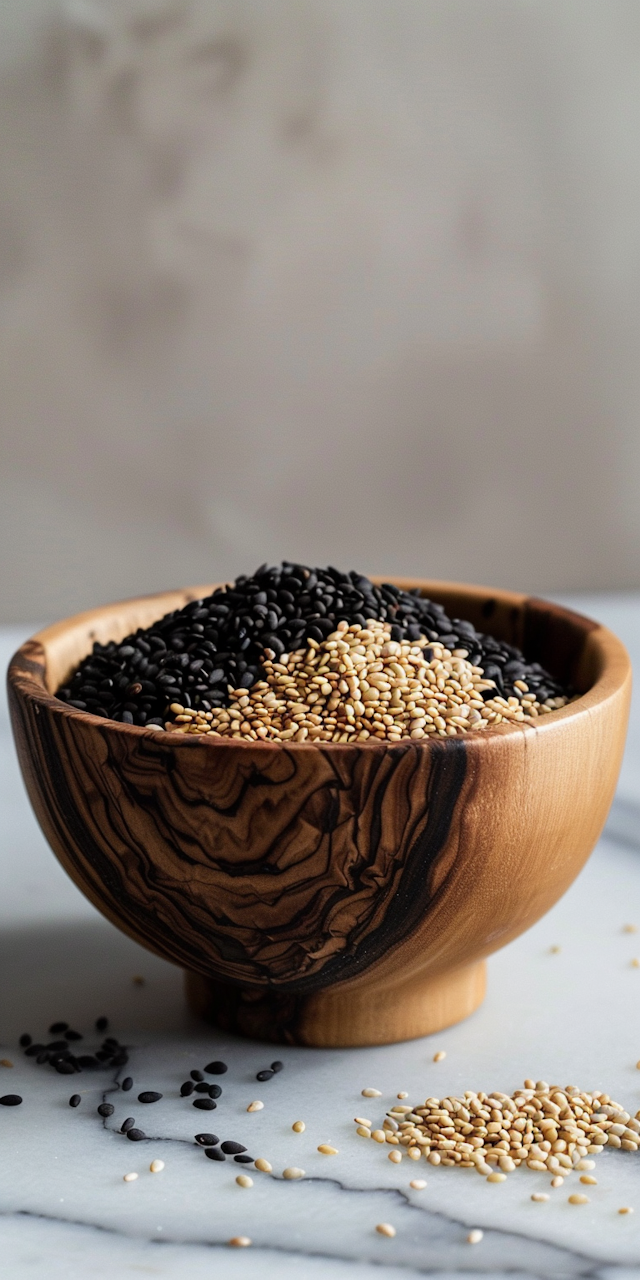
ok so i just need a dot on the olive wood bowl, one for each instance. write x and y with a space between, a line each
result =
327 894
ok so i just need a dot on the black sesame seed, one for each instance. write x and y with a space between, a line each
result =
187 1088
127 1084
65 1068
264 1075
102 1023
214 1153
87 1061
201 1087
196 1075
204 1104
57 1046
243 1159
57 1027
216 1068
42 1058
149 1096
10 1100
207 1139
106 1109
72 1035
127 1124
34 1049
277 1066
25 1040
75 1100
214 1090
232 1148
135 1135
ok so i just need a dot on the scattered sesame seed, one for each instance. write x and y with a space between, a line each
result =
57 1028
106 1109
102 1023
557 1181
371 1093
363 1132
630 928
298 1126
264 1075
156 1166
418 1184
475 1236
135 1135
231 1148
361 1120
75 1100
240 1242
555 950
586 1164
496 1177
540 1197
395 1156
413 1153
207 1139
402 1095
243 1159
25 1040
277 1066
326 1149
149 1095
291 1173
625 1209
255 1106
216 1069
127 1124
635 963
439 1056
204 1104
379 1135
127 1084
196 1075
263 1165
243 1180
6 1062
588 1180
576 1198
214 1153
130 1177
187 1089
385 1229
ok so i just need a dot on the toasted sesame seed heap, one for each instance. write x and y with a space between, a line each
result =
359 683
543 1126
198 656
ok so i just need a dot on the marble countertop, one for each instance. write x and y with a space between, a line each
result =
567 1016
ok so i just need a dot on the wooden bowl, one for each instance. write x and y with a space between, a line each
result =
327 894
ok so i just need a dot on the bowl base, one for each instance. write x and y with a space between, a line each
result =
341 1018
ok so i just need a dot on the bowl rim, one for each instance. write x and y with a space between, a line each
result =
25 678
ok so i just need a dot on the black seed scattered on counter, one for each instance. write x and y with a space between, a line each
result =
42 1058
106 1109
33 1050
135 1135
201 1087
57 1046
88 1061
243 1159
214 1090
214 1153
187 1088
57 1028
127 1124
204 1104
127 1084
120 1060
65 1068
25 1040
265 1075
149 1096
195 655
75 1100
196 1075
10 1100
72 1035
216 1068
232 1148
207 1139
277 1066
102 1024
110 1042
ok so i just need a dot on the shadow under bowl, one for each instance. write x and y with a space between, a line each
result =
327 894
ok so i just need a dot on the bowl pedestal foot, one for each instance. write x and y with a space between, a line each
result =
341 1017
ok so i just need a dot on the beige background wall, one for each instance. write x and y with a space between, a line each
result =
343 280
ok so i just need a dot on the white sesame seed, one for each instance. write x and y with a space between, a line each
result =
327 1150
263 1165
385 1229
395 1157
371 1093
240 1242
578 1199
475 1236
418 1184
255 1106
243 1180
298 1126
292 1172
156 1166
625 1209
130 1177
439 1056
540 1197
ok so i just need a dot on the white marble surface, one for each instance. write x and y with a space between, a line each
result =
569 1017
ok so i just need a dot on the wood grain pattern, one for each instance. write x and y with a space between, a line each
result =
327 893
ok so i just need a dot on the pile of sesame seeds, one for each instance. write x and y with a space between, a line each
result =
358 684
200 656
545 1127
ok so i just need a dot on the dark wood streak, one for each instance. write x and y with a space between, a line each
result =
296 881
